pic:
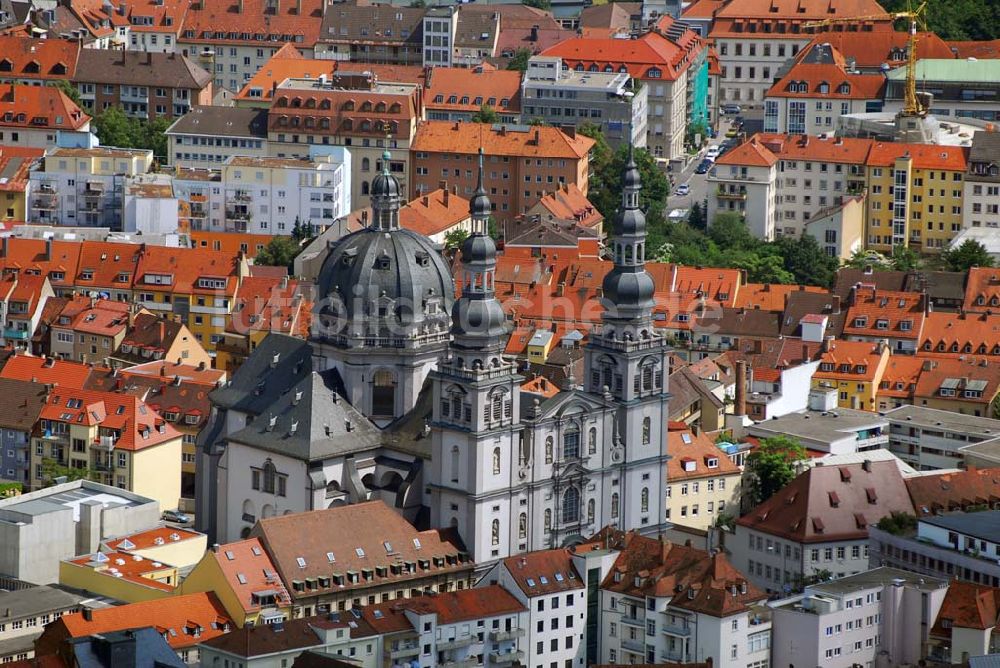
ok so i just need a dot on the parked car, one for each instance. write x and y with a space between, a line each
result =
176 516
730 109
713 152
731 133
703 167
682 190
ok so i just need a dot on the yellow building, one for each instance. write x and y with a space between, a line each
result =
854 369
115 438
539 346
119 575
244 579
15 165
914 195
703 483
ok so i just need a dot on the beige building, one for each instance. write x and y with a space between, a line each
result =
703 483
89 329
840 228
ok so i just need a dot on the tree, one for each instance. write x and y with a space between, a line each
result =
455 238
898 523
280 251
114 128
696 217
863 259
51 469
957 19
969 254
773 465
903 258
71 91
731 231
806 260
519 61
538 4
486 114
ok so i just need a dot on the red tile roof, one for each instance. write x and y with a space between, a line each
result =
804 512
65 373
569 203
884 313
543 572
248 569
962 334
26 58
882 46
450 607
103 317
935 493
434 212
468 89
987 49
467 138
151 538
752 153
924 156
967 605
15 165
982 290
849 360
133 424
33 256
286 63
692 455
804 10
269 304
175 616
39 107
769 296
186 267
130 567
841 85
651 51
934 372
250 22
109 265
901 377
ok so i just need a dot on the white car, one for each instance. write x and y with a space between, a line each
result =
713 152
682 189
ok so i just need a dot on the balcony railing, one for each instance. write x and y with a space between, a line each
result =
14 333
404 650
500 636
677 629
730 194
455 644
633 621
506 657
636 646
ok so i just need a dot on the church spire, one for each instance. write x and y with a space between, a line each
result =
478 321
386 195
628 288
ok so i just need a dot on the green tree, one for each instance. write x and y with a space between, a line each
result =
51 469
970 253
519 61
807 261
696 217
280 251
862 259
114 128
538 4
898 523
486 114
729 230
956 19
772 465
70 90
418 4
152 135
454 239
903 258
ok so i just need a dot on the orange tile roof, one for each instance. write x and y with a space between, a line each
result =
172 370
769 296
175 616
948 333
455 606
651 50
27 58
248 569
156 15
841 84
702 9
535 573
103 317
110 265
924 156
448 87
751 153
27 290
901 376
144 540
127 566
372 108
467 138
934 372
15 165
967 605
286 63
19 255
539 385
434 212
885 313
804 10
569 203
982 290
849 360
65 373
250 22
691 453
39 107
882 46
230 243
936 493
133 424
186 267
987 49
268 304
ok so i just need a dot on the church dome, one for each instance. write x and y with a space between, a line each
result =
380 283
478 248
385 185
628 288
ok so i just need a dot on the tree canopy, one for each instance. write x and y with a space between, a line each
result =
970 253
280 251
519 61
957 19
114 128
772 465
486 114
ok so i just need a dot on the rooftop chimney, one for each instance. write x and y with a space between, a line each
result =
740 406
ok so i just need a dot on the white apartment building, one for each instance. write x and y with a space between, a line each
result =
750 65
440 25
929 438
717 613
27 611
878 617
743 182
84 187
207 136
267 195
981 187
203 192
549 586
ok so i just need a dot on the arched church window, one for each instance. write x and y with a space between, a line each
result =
628 253
384 393
270 474
647 376
548 449
495 533
497 406
365 188
522 526
614 505
496 461
571 505
592 441
571 443
366 164
644 499
646 424
454 463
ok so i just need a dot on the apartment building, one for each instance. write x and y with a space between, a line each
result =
964 629
357 555
351 111
884 614
206 136
818 522
875 315
27 613
756 38
385 34
23 401
23 299
709 609
816 90
840 432
840 228
981 187
671 62
234 41
84 186
201 189
784 182
89 329
145 85
271 195
521 165
29 61
285 63
854 369
32 116
558 95
458 93
703 483
16 163
928 438
914 195
553 593
964 386
114 437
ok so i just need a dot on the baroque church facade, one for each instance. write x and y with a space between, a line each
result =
402 394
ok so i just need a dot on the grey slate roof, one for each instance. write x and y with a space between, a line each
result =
373 23
310 421
279 362
35 601
984 525
131 68
222 122
139 648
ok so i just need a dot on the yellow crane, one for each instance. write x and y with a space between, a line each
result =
912 106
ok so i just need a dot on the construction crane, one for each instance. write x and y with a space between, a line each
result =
912 105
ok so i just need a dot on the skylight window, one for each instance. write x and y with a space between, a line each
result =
378 614
126 544
686 438
300 561
544 580
360 552
531 582
242 578
229 555
388 546
416 543
255 550
559 577
330 557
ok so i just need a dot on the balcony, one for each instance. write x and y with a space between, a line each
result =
237 214
239 196
634 621
460 663
455 643
672 656
506 657
14 333
404 650
682 630
872 442
731 194
634 646
500 636
198 211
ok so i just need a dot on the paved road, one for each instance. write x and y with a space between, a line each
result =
696 182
